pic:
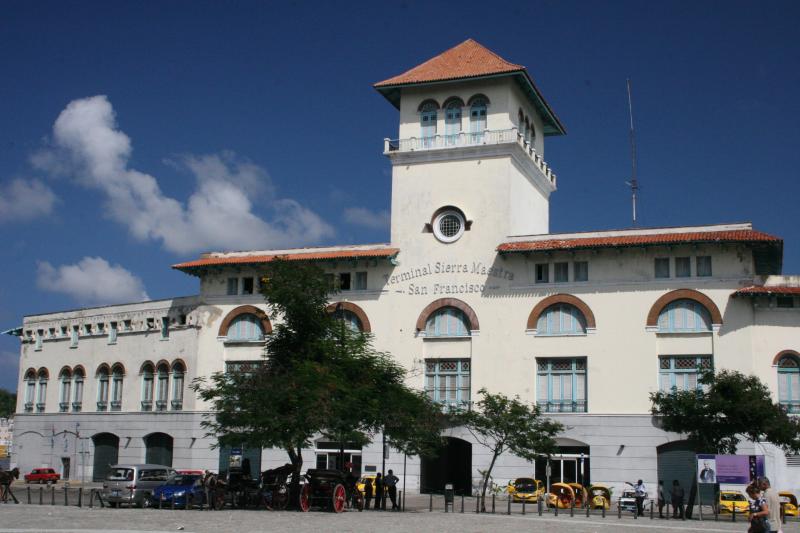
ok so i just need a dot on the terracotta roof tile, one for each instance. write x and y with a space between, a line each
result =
294 256
764 291
731 236
466 60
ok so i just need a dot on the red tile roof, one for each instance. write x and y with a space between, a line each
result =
764 291
290 256
652 239
466 60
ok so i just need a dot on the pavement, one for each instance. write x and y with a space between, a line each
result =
27 518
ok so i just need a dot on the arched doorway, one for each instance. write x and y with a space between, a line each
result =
452 465
677 460
158 449
106 453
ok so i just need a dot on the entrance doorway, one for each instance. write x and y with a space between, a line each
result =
570 464
158 449
65 468
329 456
106 453
452 465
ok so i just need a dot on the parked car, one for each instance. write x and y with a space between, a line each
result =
190 471
562 495
178 490
730 499
525 489
133 484
362 481
600 497
788 503
42 475
628 501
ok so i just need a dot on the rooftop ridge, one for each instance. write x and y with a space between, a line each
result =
659 230
299 250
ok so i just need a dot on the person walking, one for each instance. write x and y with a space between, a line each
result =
391 487
661 501
367 492
758 522
379 495
677 500
771 506
641 494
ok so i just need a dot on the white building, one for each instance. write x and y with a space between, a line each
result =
471 292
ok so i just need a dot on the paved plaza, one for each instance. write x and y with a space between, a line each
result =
68 519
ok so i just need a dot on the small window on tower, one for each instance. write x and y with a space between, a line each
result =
581 270
344 281
449 226
247 285
561 272
683 267
662 267
361 281
233 286
542 273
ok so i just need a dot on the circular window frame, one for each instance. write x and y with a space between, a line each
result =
437 232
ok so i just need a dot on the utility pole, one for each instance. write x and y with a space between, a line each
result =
634 182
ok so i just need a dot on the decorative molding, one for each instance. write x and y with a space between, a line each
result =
266 325
533 318
684 294
448 302
356 310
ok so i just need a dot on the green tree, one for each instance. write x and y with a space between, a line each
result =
8 403
318 377
730 406
505 424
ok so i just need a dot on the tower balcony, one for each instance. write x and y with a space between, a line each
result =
446 142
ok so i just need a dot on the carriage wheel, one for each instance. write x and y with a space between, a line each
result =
305 498
339 498
280 497
358 500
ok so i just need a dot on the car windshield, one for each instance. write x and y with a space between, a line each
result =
120 474
598 492
182 479
733 498
628 494
525 484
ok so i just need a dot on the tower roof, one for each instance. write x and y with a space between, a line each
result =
469 60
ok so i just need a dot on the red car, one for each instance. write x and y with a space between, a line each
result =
42 475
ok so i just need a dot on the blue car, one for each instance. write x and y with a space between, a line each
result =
179 488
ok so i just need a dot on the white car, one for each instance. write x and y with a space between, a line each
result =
628 501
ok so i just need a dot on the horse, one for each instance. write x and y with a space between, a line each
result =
7 477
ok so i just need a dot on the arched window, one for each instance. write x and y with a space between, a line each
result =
77 399
684 316
447 322
148 373
162 386
477 118
117 374
102 387
349 318
178 372
30 389
527 130
561 319
428 116
789 383
41 397
245 328
65 378
452 114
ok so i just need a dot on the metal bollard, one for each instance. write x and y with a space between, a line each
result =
539 506
41 495
29 495
52 495
556 507
172 503
652 504
430 506
572 509
509 506
91 498
619 509
80 497
446 505
523 506
493 503
716 513
462 503
734 512
478 504
66 498
603 513
587 511
161 501
189 498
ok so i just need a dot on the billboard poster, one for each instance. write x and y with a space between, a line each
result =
732 469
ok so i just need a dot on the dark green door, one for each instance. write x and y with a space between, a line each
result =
251 456
106 453
158 449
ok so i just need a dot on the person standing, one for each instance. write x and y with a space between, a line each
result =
661 501
641 494
677 500
771 506
367 492
391 487
379 495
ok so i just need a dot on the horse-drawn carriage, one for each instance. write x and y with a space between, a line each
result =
275 487
330 489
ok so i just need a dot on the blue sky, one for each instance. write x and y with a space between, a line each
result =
134 135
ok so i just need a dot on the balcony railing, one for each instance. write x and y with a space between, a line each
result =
116 405
566 406
102 406
792 407
40 407
28 407
161 405
147 405
63 407
177 405
77 406
462 139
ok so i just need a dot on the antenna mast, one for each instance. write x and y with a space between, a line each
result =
633 183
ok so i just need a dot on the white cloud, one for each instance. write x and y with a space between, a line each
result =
92 281
25 199
361 216
217 215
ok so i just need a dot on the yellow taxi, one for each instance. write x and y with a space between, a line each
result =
730 499
562 495
788 503
362 481
525 489
600 497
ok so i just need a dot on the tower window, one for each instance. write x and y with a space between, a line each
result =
542 273
477 118
428 117
662 267
452 115
448 226
683 267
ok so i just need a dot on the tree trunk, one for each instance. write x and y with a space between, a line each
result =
486 479
296 457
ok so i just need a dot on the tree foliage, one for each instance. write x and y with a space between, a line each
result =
730 406
8 403
318 378
507 424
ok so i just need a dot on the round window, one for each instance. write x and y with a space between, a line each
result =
448 226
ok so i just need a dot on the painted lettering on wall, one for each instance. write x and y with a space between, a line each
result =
476 268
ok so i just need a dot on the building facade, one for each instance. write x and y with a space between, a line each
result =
472 292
